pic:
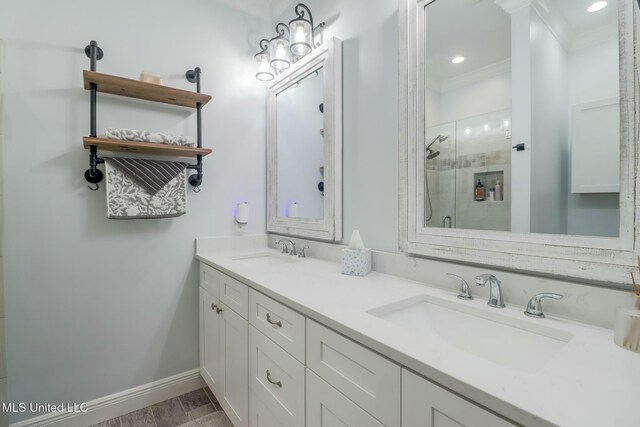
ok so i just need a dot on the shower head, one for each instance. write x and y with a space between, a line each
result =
440 138
432 154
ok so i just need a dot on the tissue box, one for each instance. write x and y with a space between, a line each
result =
356 262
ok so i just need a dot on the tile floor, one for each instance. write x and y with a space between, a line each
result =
179 411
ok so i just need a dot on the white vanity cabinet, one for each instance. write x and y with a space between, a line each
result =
224 342
270 366
425 404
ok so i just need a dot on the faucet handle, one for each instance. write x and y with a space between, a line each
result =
302 251
465 291
534 307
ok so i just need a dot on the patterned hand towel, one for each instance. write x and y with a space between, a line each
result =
139 188
123 134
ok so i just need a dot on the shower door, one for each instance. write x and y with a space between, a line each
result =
476 149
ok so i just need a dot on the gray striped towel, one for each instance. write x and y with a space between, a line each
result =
151 175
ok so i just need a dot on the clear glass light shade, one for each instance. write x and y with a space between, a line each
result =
301 37
264 67
279 48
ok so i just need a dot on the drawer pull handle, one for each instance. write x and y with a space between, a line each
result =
278 383
278 323
214 307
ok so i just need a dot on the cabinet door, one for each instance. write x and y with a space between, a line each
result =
425 404
277 379
210 328
235 365
327 407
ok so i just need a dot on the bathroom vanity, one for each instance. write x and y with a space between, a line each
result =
287 341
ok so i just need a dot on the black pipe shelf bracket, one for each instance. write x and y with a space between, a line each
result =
94 175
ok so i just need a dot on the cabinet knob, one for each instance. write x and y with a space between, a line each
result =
278 383
218 310
278 323
214 307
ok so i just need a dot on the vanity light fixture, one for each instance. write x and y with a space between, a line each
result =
279 49
264 69
599 5
301 31
457 60
291 43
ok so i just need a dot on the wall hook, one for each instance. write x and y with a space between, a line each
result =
196 189
94 189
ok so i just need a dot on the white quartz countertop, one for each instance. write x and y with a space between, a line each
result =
591 382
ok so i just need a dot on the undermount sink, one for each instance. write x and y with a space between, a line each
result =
265 258
517 344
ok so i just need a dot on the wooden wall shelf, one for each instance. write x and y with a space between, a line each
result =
107 144
121 86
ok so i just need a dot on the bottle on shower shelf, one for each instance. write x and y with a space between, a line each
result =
498 192
479 196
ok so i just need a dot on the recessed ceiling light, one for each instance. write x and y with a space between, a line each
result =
599 5
486 127
457 60
467 131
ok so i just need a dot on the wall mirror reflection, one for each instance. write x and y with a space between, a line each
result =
521 117
300 148
304 146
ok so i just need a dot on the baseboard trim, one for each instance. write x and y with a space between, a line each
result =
121 403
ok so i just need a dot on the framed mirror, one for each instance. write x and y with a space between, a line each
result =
304 147
519 134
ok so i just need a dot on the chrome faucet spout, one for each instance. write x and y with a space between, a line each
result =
496 298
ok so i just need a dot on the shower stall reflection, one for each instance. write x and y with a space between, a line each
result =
461 161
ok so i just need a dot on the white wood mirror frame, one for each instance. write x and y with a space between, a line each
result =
328 57
597 259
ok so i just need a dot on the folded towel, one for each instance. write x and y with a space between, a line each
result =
151 175
147 136
127 198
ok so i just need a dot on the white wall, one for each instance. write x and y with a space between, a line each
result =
521 117
549 130
300 148
593 76
485 96
96 306
369 32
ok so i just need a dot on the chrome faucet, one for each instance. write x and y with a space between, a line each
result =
465 291
534 308
496 299
285 248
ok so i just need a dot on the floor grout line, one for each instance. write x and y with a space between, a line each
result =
153 416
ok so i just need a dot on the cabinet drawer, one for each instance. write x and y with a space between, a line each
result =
210 279
425 404
327 407
368 379
234 294
276 379
283 325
